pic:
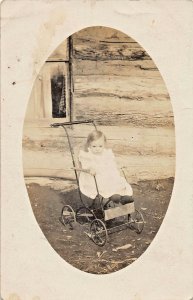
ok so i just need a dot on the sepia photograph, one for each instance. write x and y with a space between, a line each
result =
99 150
96 150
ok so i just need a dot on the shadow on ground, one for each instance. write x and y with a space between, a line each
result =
151 197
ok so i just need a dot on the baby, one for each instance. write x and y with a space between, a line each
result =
98 162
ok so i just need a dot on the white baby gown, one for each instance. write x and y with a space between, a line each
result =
109 180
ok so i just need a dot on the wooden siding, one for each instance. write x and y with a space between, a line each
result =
112 82
147 153
101 43
116 83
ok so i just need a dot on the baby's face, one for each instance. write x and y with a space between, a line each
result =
97 146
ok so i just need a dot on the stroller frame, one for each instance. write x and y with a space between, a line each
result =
98 213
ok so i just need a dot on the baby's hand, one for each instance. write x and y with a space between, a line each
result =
92 172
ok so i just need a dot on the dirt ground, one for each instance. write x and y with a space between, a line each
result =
122 248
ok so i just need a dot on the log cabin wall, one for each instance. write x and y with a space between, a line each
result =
117 84
115 75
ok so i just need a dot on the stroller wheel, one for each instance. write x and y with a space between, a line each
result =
68 216
98 232
136 221
84 215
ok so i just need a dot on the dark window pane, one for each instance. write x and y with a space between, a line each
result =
58 90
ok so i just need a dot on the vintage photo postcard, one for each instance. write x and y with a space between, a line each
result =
97 164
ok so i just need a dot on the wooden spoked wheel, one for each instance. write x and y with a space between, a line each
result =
68 216
98 232
136 221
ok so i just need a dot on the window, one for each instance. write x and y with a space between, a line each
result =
50 97
58 93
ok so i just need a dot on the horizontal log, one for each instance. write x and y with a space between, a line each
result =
142 68
162 147
42 128
122 140
136 167
102 43
130 119
120 86
93 49
121 106
112 111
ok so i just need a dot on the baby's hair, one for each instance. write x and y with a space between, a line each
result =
94 136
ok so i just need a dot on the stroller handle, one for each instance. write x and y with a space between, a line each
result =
72 123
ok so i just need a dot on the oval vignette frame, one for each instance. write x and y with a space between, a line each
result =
100 72
163 255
